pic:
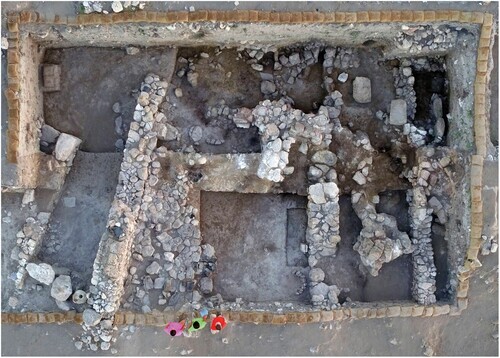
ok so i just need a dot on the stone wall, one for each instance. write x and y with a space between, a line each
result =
112 259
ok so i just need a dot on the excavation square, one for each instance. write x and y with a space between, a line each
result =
249 234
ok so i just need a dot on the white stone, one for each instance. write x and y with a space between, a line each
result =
362 90
331 190
154 268
91 317
316 275
343 77
398 112
66 146
117 6
131 50
317 194
61 288
42 273
29 196
359 178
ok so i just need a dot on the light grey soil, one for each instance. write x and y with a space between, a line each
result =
76 231
248 232
468 334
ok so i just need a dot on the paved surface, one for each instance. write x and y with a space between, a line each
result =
472 333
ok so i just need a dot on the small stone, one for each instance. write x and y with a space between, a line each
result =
49 134
206 285
43 272
79 345
4 44
316 275
257 67
105 346
192 78
91 317
132 50
324 157
117 107
178 92
117 6
154 268
61 288
196 133
28 197
343 77
359 178
267 87
294 59
362 90
317 194
13 302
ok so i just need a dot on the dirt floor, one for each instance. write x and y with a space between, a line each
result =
83 107
77 230
224 79
70 244
345 269
249 234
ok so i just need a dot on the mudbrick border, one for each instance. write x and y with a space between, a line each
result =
377 310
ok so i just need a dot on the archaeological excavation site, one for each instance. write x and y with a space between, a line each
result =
277 167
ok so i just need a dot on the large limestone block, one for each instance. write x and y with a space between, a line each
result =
398 112
362 90
66 146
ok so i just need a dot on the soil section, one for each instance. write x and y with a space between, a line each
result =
248 232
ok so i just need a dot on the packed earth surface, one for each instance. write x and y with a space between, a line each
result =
320 172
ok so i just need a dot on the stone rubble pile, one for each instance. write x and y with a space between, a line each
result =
28 244
379 241
106 7
341 58
278 120
323 233
287 68
323 296
274 160
169 243
418 39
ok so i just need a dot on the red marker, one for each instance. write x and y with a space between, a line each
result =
218 324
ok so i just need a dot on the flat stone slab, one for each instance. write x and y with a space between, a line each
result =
398 112
362 90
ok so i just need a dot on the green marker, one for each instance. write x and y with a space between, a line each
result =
196 325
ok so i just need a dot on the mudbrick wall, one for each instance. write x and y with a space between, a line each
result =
17 131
